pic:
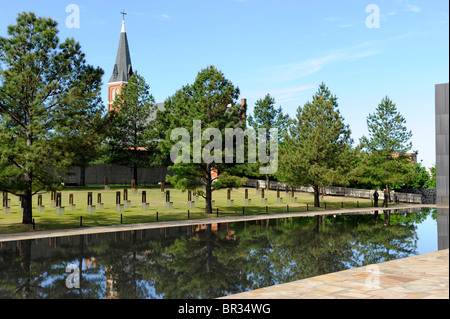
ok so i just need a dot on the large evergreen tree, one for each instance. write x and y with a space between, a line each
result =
43 86
387 146
211 100
131 142
266 116
318 148
86 130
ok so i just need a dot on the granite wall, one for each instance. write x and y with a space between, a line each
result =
442 163
428 194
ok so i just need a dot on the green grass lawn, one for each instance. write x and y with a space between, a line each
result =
48 220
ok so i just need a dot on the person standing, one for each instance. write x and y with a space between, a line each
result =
375 198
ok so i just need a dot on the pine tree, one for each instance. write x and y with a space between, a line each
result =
43 86
318 148
86 130
211 99
133 117
387 162
267 117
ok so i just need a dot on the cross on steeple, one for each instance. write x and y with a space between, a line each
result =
123 13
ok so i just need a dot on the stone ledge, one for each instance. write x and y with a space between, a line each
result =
419 277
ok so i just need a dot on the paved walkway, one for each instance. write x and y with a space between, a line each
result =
419 277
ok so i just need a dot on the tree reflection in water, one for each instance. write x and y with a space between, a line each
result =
205 261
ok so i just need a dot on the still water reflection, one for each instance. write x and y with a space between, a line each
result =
208 261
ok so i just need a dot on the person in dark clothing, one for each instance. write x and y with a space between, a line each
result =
375 199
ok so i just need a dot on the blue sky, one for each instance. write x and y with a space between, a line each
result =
282 47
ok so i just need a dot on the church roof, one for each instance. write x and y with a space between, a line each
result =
123 69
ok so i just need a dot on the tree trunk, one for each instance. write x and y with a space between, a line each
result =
387 183
135 155
208 258
387 218
316 224
316 196
27 198
208 195
24 289
267 182
388 193
27 201
82 175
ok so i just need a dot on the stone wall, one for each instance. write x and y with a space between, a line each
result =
428 194
442 164
442 144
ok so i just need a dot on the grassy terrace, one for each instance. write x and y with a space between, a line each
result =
48 220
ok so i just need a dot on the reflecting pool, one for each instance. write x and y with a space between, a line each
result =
208 261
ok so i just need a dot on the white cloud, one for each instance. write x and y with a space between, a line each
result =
276 92
281 95
409 7
162 16
165 16
304 68
332 19
413 8
297 70
343 26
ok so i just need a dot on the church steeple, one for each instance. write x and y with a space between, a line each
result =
123 69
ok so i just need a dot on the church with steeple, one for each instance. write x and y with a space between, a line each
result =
123 69
121 75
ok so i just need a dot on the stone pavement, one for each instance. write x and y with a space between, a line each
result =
419 277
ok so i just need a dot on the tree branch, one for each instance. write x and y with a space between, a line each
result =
13 116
